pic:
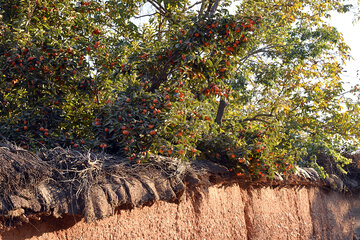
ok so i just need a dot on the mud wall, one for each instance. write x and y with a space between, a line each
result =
230 212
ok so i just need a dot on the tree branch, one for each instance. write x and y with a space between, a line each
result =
202 8
158 7
162 10
146 15
197 3
214 8
260 50
255 118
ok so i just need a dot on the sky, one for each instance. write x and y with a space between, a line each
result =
351 34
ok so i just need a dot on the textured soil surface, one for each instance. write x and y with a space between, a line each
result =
230 212
60 194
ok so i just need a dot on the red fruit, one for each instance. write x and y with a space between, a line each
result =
46 134
41 129
196 34
96 31
152 132
128 100
76 145
126 132
106 130
25 128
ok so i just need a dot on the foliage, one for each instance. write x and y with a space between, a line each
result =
84 75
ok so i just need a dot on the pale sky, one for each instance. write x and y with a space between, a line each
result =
351 34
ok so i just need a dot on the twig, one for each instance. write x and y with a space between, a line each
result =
255 118
146 15
197 3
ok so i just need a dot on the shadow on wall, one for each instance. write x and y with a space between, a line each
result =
36 228
332 215
355 209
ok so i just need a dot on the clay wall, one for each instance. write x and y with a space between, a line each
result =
220 212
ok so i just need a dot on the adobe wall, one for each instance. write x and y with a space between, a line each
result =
231 212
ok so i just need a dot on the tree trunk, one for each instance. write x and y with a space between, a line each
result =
220 112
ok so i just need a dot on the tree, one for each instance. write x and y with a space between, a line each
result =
258 89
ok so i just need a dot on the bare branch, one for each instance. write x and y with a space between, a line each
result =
197 3
255 118
162 10
147 15
158 7
260 50
202 8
